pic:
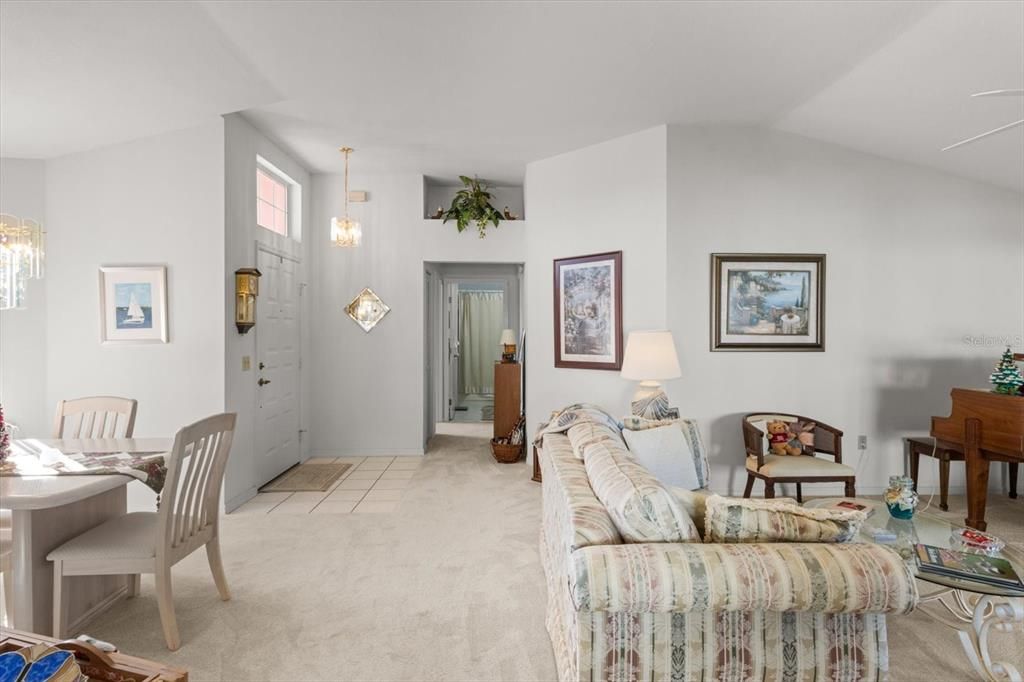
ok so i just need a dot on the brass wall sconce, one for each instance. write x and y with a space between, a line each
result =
247 288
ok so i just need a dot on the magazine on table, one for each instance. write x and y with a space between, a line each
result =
968 566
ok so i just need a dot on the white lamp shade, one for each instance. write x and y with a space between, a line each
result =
650 356
507 337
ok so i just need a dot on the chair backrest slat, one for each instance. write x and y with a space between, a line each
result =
95 417
190 501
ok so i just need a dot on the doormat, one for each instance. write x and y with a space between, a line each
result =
306 478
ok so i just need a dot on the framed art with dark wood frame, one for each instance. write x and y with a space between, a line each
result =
588 311
767 302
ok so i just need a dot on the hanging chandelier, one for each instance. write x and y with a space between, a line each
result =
346 232
22 256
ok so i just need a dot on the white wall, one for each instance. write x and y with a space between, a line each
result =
23 332
242 144
607 197
158 200
368 388
917 262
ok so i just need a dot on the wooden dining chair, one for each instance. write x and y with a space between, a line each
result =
152 542
95 417
6 553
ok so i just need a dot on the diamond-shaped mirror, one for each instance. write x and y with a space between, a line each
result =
367 309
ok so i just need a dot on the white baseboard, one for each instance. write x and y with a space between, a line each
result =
104 604
364 452
239 499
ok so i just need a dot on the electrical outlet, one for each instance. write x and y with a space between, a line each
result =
246 363
862 442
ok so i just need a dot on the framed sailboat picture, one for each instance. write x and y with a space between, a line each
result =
133 304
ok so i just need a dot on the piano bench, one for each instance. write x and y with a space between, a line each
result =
945 454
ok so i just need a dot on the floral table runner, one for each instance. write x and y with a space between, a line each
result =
35 459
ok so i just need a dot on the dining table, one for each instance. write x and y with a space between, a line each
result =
48 509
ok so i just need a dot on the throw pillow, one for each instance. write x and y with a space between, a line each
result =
665 452
641 508
737 520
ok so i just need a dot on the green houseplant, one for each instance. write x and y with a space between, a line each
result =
472 204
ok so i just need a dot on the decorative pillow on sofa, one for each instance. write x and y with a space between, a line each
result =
641 508
665 452
738 520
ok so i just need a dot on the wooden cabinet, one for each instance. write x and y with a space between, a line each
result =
508 396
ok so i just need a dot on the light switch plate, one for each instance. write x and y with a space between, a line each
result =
246 363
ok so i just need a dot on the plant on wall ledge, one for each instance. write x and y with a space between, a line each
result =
472 204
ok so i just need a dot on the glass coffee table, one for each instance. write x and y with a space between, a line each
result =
972 608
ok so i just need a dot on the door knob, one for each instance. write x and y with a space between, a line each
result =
263 382
262 365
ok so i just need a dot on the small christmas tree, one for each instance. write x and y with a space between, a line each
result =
1007 377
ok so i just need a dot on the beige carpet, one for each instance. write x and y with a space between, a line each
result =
447 588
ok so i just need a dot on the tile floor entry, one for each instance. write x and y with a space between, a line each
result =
374 485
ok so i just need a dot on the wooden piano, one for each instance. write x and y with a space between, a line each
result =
987 427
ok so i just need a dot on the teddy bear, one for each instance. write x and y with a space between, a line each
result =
780 438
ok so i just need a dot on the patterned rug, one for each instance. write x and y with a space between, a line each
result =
305 478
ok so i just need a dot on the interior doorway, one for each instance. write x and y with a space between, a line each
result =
467 307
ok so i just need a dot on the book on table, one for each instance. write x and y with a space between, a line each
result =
968 566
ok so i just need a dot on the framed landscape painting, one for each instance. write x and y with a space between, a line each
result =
767 302
133 304
588 311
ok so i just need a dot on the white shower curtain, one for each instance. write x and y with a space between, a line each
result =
480 326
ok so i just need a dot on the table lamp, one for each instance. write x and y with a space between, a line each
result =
650 358
508 343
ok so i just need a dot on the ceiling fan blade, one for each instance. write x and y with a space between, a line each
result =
978 137
999 93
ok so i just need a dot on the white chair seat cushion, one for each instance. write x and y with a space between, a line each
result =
132 536
777 466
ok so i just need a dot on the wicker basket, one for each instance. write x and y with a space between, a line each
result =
506 453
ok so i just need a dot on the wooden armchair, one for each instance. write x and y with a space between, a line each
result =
799 469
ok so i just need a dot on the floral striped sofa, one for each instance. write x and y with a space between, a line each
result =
695 611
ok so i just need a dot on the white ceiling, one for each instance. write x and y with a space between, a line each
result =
442 88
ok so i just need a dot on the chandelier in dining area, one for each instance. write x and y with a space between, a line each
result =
22 257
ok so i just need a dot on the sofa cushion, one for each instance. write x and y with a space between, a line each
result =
857 577
665 452
737 520
693 438
641 507
584 433
573 516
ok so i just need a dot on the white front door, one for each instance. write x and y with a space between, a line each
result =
277 357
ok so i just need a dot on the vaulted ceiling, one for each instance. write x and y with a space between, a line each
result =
484 87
